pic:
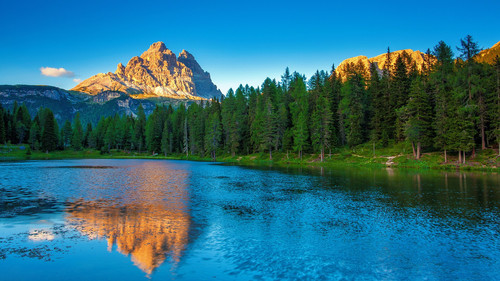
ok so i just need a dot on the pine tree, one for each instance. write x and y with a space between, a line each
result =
77 138
419 124
49 132
140 129
375 89
496 119
353 92
2 127
286 78
66 134
334 97
321 126
35 136
186 137
165 138
445 108
22 121
213 134
87 137
400 87
299 109
468 50
229 122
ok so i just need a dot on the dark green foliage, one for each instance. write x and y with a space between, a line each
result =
352 104
66 134
418 127
299 109
2 127
49 131
140 130
77 138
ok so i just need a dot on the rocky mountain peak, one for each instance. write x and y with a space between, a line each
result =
157 47
120 69
186 55
157 72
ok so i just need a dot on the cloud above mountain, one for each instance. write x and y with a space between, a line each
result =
56 72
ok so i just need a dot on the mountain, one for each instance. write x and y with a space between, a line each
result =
65 104
380 61
158 72
489 55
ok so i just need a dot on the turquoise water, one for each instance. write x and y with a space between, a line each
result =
179 220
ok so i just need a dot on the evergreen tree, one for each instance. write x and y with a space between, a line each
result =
77 138
299 109
335 96
49 132
140 129
445 107
213 135
321 126
35 135
419 124
353 92
87 137
110 134
379 104
496 103
66 134
2 126
165 139
400 87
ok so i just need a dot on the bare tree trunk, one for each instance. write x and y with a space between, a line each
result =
418 150
463 158
445 157
321 154
459 157
414 152
483 138
270 154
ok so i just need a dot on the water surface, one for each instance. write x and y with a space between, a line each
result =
179 220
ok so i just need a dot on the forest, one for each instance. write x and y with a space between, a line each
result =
451 104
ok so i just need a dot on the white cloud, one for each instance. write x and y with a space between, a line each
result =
56 72
77 80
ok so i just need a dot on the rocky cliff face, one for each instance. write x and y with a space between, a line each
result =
489 55
380 61
156 73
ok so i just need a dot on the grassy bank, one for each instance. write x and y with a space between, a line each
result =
362 156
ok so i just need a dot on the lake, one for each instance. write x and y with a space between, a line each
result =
181 220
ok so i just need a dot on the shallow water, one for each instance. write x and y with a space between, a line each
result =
179 220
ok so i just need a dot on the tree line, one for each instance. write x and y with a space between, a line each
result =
447 104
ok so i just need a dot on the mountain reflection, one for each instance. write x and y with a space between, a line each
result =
149 221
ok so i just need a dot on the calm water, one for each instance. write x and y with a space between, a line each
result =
174 220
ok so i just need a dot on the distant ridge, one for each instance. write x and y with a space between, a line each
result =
489 55
380 61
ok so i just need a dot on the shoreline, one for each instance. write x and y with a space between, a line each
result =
429 161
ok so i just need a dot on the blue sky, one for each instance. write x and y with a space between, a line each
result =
236 41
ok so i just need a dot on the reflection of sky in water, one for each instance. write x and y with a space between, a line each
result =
136 219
